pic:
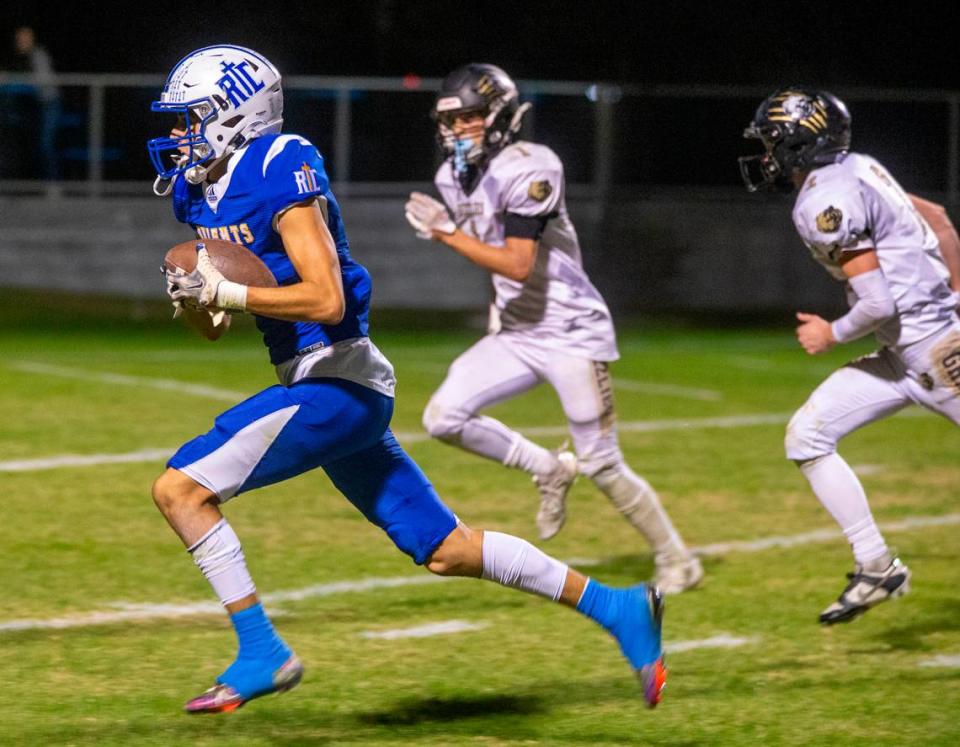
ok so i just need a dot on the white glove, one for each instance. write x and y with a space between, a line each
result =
427 215
205 286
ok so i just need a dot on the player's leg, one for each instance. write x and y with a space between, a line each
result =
486 374
272 436
393 493
264 663
861 392
586 393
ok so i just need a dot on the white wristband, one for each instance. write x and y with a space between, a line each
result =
231 296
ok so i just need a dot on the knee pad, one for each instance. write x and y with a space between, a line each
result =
442 421
807 436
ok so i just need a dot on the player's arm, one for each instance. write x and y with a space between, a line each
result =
936 215
875 304
318 297
514 260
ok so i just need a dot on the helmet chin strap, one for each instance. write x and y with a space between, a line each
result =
198 174
163 187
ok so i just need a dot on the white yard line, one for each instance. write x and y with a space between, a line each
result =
406 437
85 460
667 390
131 612
425 631
821 535
724 640
944 660
415 437
103 377
866 470
626 385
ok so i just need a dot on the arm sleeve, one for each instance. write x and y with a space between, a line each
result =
874 306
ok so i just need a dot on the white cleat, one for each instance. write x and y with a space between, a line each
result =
866 589
678 575
553 488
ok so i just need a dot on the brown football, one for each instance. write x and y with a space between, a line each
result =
235 261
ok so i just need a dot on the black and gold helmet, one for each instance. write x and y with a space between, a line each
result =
800 129
488 91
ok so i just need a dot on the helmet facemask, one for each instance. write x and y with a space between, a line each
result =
772 169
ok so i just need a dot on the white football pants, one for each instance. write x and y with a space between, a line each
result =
864 391
500 367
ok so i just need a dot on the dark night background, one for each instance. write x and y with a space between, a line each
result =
684 41
658 141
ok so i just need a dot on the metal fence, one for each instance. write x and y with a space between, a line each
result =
376 132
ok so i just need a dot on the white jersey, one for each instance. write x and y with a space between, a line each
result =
557 306
855 205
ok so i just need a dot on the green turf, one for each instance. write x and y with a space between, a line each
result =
77 540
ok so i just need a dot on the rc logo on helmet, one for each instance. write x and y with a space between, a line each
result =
237 83
539 191
830 220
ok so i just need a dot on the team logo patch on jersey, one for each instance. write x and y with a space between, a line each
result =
306 179
539 191
830 220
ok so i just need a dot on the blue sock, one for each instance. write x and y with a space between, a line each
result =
255 632
261 653
599 603
625 615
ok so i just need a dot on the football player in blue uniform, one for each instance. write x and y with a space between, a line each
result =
232 175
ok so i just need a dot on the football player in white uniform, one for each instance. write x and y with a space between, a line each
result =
866 231
548 322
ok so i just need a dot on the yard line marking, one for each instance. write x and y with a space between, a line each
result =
677 424
667 390
866 470
406 437
131 612
724 640
103 377
415 437
128 612
425 631
944 660
85 460
820 535
627 385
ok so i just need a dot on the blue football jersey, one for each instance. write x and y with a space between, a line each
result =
269 175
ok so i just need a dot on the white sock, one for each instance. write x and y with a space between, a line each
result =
528 456
840 492
490 438
219 556
639 503
514 562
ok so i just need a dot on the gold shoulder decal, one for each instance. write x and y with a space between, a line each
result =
539 191
830 220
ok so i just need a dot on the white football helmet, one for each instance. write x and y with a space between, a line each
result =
224 96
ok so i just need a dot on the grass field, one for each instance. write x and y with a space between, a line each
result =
82 541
